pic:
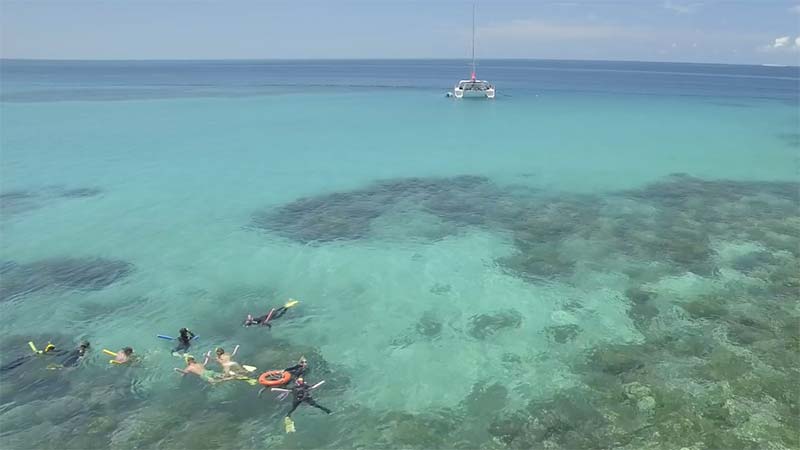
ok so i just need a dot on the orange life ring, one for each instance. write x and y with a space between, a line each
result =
274 378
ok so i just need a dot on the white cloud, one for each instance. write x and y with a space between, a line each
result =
534 29
782 44
688 8
795 9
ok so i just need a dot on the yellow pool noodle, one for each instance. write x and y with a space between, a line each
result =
109 352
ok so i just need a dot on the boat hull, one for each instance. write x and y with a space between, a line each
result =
461 93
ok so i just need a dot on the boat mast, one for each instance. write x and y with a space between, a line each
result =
473 41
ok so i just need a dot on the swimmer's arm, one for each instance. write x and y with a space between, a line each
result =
181 371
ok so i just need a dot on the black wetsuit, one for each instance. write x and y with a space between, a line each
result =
184 341
297 371
74 357
262 320
302 393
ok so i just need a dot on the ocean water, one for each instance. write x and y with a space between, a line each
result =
605 256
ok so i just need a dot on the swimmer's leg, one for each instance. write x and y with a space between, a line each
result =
295 404
311 402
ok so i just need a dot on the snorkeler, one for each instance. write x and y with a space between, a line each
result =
301 393
184 340
229 366
124 356
194 367
300 369
274 313
76 356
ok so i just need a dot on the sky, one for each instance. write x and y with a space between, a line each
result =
732 31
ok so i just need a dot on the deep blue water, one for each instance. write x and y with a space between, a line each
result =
30 80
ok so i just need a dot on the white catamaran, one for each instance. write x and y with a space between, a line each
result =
473 86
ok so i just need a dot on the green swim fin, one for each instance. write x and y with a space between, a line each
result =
291 303
250 381
288 424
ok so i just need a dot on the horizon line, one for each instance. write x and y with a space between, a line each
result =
389 59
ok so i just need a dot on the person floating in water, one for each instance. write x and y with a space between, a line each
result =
274 313
184 340
301 393
124 356
229 366
77 355
298 370
71 358
194 367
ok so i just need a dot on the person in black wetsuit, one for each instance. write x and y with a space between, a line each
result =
298 370
75 357
301 393
270 316
184 340
72 358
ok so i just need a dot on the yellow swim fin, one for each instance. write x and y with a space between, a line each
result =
112 361
33 347
109 352
291 303
248 380
288 424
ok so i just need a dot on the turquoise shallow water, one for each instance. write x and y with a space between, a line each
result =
449 313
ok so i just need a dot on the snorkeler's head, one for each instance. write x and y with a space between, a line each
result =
128 351
84 345
220 351
299 380
183 330
190 359
49 347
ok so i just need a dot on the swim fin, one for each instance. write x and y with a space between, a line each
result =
249 368
291 303
288 424
109 352
33 347
250 381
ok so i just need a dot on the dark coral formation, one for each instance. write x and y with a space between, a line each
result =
482 326
349 215
60 274
13 202
80 192
562 334
671 222
429 326
18 201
